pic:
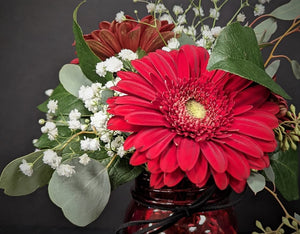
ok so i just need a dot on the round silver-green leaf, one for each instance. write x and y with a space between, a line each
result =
256 182
83 196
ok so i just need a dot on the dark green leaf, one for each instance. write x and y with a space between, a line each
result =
265 30
285 166
273 68
185 40
72 78
87 59
288 11
256 182
141 53
84 195
15 183
66 102
296 68
236 51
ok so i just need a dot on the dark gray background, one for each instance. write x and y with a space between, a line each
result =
35 41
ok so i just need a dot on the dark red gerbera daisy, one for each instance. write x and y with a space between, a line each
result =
187 121
110 38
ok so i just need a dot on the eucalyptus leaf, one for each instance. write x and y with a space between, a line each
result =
72 78
107 93
15 183
87 59
273 68
236 51
256 182
185 40
265 30
83 196
296 68
296 216
66 102
270 174
288 11
285 166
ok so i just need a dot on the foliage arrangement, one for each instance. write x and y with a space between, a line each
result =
172 95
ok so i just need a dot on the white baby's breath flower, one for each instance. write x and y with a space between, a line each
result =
101 69
51 129
98 120
181 19
173 43
109 84
52 106
65 170
166 17
74 124
127 54
263 1
91 144
198 11
26 168
150 7
190 30
259 9
51 158
241 17
160 8
52 134
121 152
177 10
84 159
94 144
113 64
120 17
74 114
85 93
49 92
213 13
178 29
215 31
105 137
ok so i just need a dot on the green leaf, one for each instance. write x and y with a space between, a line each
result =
270 173
66 102
256 182
15 183
296 216
121 172
186 40
87 59
72 78
288 11
296 68
107 93
285 166
273 68
265 30
83 196
236 51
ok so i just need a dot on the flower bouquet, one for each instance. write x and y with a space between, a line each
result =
171 94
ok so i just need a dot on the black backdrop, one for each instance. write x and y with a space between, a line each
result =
35 41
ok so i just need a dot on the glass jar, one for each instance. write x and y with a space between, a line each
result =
151 204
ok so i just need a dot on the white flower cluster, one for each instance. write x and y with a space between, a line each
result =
91 96
112 64
120 17
173 44
208 36
90 144
156 8
74 117
52 106
26 167
51 129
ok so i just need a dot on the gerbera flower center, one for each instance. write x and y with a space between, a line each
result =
195 109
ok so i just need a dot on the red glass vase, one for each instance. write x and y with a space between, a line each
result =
146 201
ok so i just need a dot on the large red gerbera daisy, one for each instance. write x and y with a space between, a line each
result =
187 121
110 38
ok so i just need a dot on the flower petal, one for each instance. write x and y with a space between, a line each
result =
198 173
147 118
168 159
173 178
187 153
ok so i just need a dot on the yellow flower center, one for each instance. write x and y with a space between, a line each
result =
195 109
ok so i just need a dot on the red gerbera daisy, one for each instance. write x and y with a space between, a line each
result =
110 38
187 121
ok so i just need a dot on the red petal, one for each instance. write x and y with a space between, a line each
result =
258 94
138 158
221 179
159 147
118 123
214 155
168 159
133 100
238 166
244 144
253 128
153 166
183 66
262 116
147 118
268 146
187 153
157 180
241 109
199 172
173 178
237 185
